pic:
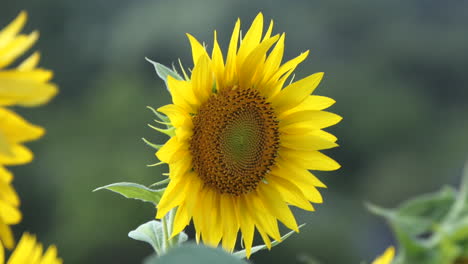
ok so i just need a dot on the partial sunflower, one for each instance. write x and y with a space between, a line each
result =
386 257
243 144
20 85
29 251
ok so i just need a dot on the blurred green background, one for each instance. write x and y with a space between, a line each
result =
397 69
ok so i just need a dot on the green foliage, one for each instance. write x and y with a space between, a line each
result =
135 191
153 233
196 254
431 228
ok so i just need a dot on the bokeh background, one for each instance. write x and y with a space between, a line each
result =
398 70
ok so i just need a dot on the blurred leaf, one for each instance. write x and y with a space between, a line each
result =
135 191
151 233
196 254
164 71
242 253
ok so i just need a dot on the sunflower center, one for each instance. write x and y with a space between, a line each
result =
235 140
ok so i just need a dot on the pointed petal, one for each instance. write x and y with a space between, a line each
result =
290 192
25 92
16 48
307 141
11 30
276 206
313 119
231 56
296 93
312 160
202 79
197 49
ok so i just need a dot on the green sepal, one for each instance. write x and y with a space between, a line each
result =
159 183
164 71
195 254
155 146
243 253
135 191
168 131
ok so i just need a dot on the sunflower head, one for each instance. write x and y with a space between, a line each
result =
25 85
245 139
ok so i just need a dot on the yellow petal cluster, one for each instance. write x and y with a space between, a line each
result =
29 251
253 63
22 84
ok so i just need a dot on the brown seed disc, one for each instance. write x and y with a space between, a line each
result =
235 140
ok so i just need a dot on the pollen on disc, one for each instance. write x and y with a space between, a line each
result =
235 140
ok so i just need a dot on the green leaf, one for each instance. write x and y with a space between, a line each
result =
135 191
196 254
164 71
152 233
242 253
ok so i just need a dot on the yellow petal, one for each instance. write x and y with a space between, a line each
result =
229 222
5 175
307 141
37 75
251 64
23 250
276 206
386 257
313 119
202 79
231 56
173 196
261 216
269 30
246 226
290 192
6 236
218 63
312 160
16 129
25 92
296 93
178 116
251 40
16 48
181 220
30 63
197 49
303 128
9 214
274 59
8 194
172 151
10 31
294 173
19 155
313 102
50 256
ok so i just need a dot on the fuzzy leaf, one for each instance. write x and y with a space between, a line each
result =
151 233
135 191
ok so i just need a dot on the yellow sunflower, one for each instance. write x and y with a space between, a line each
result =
29 251
386 257
243 144
22 85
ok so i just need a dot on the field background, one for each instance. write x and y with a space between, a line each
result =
397 69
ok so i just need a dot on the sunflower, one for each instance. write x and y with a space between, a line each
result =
20 85
386 257
29 251
243 144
